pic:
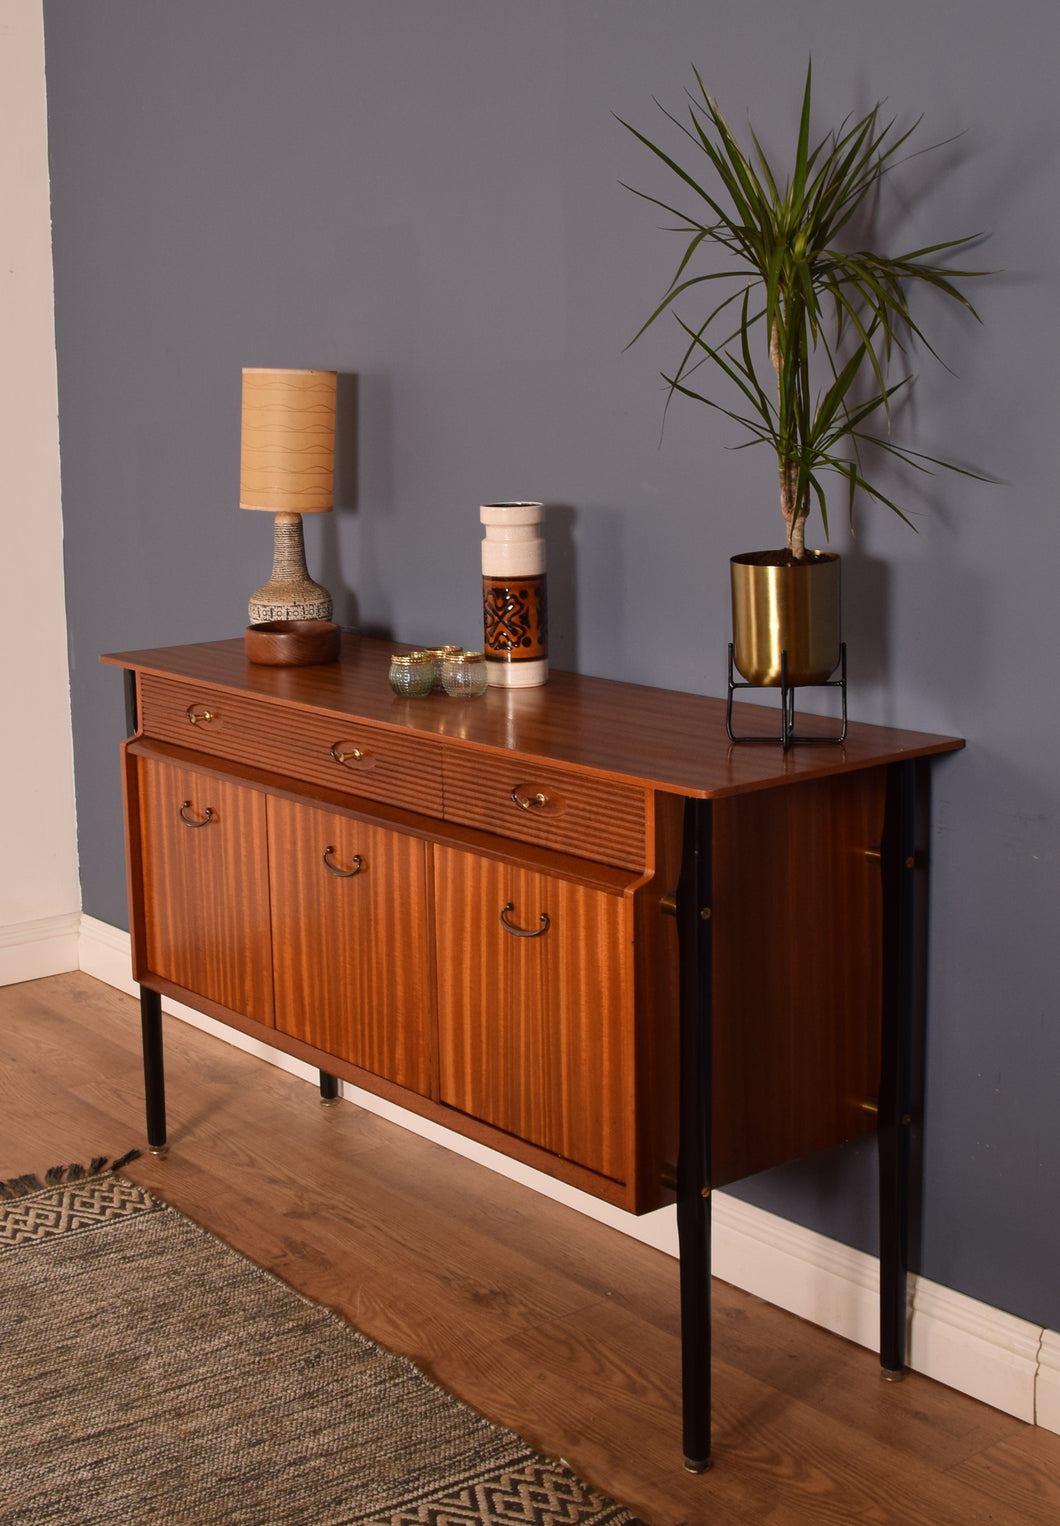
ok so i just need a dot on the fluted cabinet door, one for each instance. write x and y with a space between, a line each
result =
350 938
206 886
535 1011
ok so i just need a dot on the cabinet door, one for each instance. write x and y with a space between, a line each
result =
206 886
535 1009
350 939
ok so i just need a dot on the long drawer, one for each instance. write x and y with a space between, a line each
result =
592 818
346 755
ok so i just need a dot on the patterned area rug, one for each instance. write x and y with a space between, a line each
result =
152 1376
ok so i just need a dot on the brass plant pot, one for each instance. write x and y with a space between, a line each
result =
793 609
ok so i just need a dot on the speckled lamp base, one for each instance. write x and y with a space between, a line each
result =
290 593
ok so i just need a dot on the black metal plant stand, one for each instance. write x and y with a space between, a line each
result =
788 737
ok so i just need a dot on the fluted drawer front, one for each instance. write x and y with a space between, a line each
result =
593 818
321 749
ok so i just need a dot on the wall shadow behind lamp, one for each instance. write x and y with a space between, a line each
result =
287 468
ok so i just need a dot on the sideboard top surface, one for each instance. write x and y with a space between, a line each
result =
657 737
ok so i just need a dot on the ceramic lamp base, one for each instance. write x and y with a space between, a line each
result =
290 593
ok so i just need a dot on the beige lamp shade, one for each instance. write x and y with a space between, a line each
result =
287 461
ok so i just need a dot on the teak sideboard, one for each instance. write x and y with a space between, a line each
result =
575 923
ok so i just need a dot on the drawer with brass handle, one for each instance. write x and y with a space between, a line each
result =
341 754
573 813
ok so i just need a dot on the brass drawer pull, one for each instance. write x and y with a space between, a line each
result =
189 821
524 932
341 874
195 716
355 754
529 802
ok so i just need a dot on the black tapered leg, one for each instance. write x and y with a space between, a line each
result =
132 718
694 1159
329 1088
154 1070
904 869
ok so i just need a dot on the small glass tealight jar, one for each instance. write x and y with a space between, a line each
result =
438 654
411 674
465 675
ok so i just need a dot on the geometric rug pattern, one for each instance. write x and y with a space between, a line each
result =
150 1375
69 1210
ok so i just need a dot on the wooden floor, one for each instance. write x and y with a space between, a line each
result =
546 1321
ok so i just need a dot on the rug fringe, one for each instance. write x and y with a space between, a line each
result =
22 1186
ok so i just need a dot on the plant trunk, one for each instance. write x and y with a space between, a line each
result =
793 511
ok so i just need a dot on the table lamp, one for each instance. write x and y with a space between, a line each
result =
287 465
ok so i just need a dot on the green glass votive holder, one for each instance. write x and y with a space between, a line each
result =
465 675
438 654
411 674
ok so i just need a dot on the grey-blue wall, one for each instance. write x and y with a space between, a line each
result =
425 194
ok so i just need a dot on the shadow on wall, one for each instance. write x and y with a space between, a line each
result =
347 401
866 612
343 598
836 1193
562 565
364 495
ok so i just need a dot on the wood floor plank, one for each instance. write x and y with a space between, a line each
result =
778 1457
545 1320
1022 1472
917 1417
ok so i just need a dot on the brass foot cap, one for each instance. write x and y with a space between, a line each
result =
691 1466
162 1149
890 1375
330 1101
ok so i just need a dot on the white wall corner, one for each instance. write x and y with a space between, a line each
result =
38 843
1004 1361
32 950
1047 1394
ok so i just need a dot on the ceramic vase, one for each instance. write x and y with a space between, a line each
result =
514 595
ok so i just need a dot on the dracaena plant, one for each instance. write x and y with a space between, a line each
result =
802 326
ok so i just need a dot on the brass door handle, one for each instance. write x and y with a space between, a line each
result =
341 874
355 754
190 821
195 716
529 802
524 932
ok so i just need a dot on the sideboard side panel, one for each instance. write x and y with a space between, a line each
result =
797 921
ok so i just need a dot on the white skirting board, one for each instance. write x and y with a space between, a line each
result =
1047 1408
32 950
1004 1361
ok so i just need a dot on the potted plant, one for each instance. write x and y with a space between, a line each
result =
801 324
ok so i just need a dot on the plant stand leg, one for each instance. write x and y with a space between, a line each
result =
789 737
694 1159
154 1070
787 706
